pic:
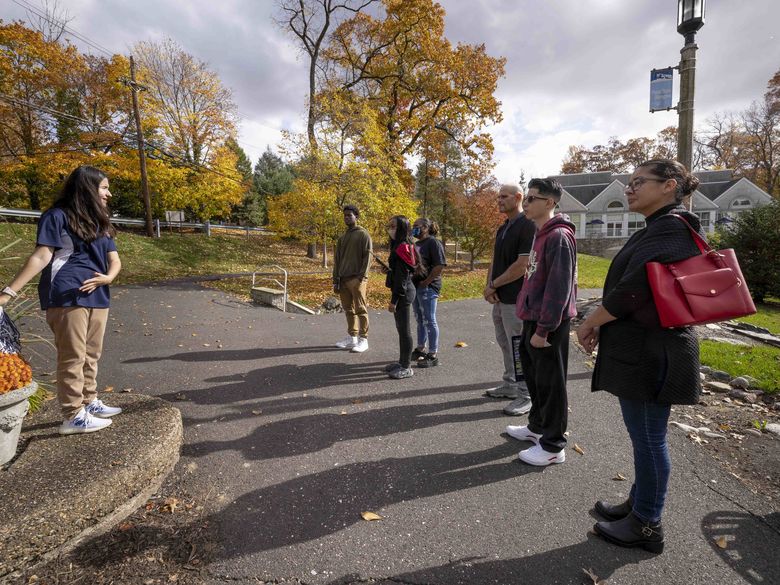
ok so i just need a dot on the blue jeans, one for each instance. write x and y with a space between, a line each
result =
425 314
646 423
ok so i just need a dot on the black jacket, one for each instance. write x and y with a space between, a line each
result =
637 358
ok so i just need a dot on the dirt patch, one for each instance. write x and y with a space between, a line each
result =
748 454
166 541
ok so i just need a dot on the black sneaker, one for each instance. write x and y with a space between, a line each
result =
428 361
417 354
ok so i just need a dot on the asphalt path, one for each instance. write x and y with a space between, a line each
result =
290 439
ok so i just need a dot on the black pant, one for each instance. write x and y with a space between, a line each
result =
403 323
545 372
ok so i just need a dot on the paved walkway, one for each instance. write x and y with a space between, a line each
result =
291 439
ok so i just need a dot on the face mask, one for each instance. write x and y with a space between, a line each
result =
416 232
391 233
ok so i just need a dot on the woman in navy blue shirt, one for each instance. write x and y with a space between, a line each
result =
76 256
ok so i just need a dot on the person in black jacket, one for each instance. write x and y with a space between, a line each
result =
647 367
402 263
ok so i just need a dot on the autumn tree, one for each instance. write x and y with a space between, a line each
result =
478 219
32 75
309 21
420 85
188 109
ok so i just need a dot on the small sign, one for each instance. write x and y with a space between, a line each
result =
174 216
661 89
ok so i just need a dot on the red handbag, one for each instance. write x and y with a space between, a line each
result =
701 289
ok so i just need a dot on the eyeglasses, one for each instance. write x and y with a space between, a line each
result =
639 181
532 198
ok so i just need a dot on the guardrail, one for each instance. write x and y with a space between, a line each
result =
206 227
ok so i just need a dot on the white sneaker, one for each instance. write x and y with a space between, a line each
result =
347 343
521 433
83 422
360 346
100 410
537 456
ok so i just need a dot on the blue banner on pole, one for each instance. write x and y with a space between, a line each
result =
661 89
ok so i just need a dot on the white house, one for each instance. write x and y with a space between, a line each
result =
596 203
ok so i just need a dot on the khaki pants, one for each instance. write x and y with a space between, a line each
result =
353 300
78 335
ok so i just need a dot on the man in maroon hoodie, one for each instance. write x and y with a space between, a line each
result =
546 304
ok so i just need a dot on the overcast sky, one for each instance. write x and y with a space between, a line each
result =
577 71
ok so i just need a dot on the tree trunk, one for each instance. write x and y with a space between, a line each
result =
311 250
471 262
324 254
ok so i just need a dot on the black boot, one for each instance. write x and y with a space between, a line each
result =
614 512
632 532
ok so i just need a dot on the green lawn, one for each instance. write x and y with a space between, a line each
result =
760 362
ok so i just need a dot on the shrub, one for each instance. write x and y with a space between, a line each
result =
755 236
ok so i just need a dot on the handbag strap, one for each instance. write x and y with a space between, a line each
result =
701 243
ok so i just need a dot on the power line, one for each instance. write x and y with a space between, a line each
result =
37 11
76 149
57 113
94 44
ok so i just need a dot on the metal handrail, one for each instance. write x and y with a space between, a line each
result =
268 275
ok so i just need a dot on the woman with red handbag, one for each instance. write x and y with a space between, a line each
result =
646 366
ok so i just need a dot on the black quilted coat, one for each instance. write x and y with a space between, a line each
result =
637 358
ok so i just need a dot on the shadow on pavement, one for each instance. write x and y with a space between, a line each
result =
561 565
298 402
309 507
315 432
229 355
736 536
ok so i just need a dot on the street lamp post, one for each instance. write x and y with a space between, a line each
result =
690 18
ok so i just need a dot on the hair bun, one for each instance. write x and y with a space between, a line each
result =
691 183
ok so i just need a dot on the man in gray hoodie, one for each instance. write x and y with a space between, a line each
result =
351 262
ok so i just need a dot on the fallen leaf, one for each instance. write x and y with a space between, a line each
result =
170 505
619 477
125 526
461 344
206 345
593 577
721 542
579 449
370 516
257 411
127 389
357 401
108 389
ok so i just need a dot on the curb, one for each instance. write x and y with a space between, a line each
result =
63 489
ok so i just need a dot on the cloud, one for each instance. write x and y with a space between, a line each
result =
577 71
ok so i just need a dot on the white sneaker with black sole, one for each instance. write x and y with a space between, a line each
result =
83 422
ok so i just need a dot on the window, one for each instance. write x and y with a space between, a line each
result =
615 205
704 216
635 226
741 203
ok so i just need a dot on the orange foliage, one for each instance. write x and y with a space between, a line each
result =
15 373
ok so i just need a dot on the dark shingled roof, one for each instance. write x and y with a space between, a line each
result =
586 193
714 190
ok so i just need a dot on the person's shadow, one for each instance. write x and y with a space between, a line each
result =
314 432
562 566
741 539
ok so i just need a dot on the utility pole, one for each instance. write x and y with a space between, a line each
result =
135 88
